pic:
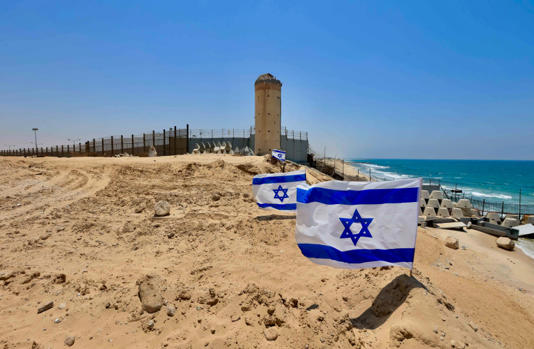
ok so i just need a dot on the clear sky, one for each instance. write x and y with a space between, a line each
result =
393 79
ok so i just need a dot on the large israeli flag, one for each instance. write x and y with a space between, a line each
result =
358 224
278 190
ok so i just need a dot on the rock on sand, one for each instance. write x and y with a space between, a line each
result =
152 152
451 242
505 243
270 334
69 341
149 293
162 208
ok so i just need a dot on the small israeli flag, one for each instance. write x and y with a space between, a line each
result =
278 190
358 224
279 154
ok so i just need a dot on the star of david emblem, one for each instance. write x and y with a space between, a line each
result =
284 193
356 218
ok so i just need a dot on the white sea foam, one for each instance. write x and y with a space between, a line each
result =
373 166
527 246
491 195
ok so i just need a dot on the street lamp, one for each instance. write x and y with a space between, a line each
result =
35 129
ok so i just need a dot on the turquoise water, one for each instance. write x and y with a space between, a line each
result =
493 180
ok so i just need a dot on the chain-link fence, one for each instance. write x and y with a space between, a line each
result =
485 206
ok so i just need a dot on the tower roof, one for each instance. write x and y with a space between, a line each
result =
269 78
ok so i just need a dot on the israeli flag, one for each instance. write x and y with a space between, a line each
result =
278 190
359 224
279 154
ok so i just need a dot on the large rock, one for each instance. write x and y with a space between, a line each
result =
150 293
451 242
152 152
506 243
162 208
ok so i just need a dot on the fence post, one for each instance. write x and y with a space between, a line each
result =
163 141
103 150
519 208
122 144
483 204
154 138
68 149
94 146
112 147
175 140
144 143
187 138
133 144
502 209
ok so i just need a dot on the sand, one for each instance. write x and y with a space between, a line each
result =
80 232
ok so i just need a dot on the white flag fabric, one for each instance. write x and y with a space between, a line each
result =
359 224
279 154
278 190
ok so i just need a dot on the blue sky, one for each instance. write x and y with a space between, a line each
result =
393 79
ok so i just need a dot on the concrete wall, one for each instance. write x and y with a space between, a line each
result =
296 149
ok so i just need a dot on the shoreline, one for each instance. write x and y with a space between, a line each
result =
451 174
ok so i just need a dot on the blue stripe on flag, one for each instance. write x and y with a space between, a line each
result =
394 255
279 179
357 197
283 207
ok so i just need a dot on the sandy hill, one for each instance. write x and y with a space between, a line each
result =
80 232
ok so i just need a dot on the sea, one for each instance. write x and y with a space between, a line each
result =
492 180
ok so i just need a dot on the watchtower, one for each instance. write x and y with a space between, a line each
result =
268 112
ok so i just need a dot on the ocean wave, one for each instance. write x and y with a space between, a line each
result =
387 176
371 166
492 195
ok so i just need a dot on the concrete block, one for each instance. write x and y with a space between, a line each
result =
429 212
493 216
464 203
446 203
443 212
457 213
424 194
436 194
433 203
510 222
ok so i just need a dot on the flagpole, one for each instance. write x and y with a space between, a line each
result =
416 227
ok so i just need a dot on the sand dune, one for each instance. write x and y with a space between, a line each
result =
80 232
